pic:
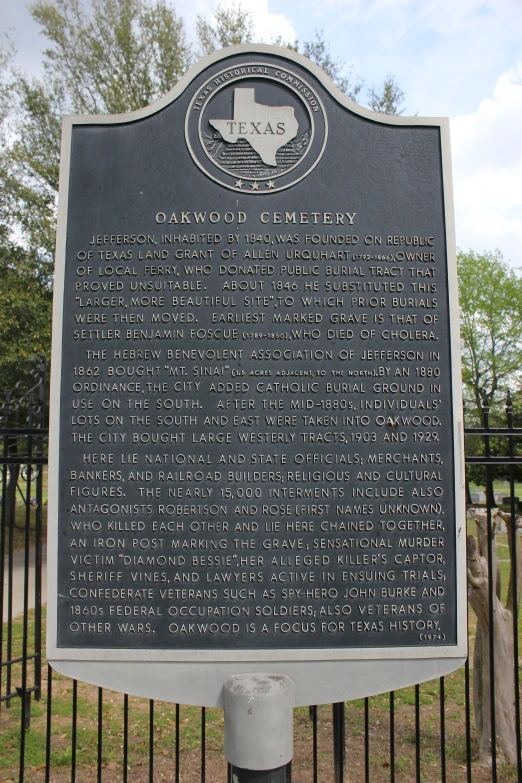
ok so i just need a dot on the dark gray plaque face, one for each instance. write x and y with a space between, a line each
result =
254 373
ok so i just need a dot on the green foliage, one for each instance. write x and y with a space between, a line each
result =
116 56
230 26
490 317
388 98
385 99
109 56
6 54
25 315
318 52
29 165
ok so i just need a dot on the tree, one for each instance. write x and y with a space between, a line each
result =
29 165
491 313
385 99
490 318
25 315
118 56
502 629
389 99
105 56
236 25
109 56
318 52
25 333
6 53
230 26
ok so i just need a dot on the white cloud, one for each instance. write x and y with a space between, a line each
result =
487 165
268 25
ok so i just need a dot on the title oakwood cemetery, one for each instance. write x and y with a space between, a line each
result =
256 431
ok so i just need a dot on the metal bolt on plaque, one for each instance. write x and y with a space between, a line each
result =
256 485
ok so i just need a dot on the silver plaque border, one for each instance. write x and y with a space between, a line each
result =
197 676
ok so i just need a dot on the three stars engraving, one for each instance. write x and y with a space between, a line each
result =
254 185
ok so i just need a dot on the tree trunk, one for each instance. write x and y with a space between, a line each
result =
490 493
468 492
504 698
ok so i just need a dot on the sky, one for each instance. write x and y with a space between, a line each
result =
460 59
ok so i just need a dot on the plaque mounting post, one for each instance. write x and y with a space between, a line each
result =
259 726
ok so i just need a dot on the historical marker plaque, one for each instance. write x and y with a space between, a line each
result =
256 438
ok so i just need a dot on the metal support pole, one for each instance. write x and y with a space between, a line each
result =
339 741
25 696
259 727
259 776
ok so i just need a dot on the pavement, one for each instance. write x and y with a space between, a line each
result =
18 582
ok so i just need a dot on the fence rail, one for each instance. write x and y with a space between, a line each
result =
79 732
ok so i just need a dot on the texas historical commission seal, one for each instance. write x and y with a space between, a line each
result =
256 128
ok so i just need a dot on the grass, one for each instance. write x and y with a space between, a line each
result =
500 487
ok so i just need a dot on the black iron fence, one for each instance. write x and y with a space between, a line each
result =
465 727
23 457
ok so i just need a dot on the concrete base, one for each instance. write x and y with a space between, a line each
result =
259 723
